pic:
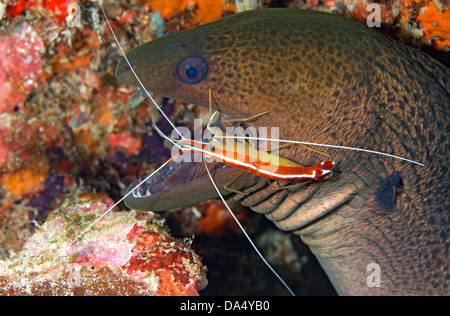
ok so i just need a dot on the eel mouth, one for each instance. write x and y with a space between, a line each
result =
180 184
184 182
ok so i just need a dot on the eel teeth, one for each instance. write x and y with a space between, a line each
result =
136 194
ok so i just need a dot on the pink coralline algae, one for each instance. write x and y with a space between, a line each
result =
124 253
20 65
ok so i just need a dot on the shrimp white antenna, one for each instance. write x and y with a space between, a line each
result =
323 145
135 75
164 136
247 236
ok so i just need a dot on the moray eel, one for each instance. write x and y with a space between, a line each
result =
378 225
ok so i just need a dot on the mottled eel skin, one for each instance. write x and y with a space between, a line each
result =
331 80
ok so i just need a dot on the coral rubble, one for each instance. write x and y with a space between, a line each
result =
125 253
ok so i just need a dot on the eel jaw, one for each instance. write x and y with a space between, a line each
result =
182 184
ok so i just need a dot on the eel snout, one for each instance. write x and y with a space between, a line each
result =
182 184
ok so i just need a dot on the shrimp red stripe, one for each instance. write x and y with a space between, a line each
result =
249 159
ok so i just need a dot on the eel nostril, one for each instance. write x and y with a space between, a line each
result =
126 67
117 57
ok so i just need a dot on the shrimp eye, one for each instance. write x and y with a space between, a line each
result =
191 70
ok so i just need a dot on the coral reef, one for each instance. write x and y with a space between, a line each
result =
417 22
64 121
435 21
194 12
21 64
125 253
57 8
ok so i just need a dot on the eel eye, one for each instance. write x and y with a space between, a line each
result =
191 70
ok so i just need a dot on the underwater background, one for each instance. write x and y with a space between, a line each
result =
73 138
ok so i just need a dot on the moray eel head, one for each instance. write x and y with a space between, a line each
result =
240 55
246 61
170 64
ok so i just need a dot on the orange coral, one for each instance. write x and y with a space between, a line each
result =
168 287
216 220
436 25
208 11
213 222
205 10
26 180
428 20
84 138
103 114
71 59
125 142
165 7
